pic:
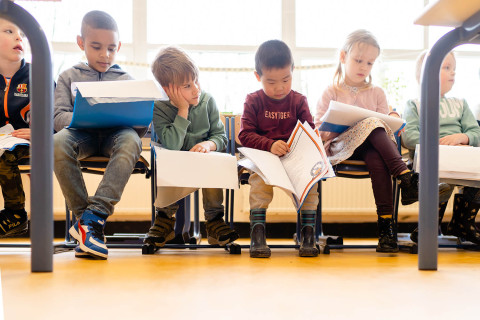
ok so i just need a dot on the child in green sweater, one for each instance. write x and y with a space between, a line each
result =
189 121
458 126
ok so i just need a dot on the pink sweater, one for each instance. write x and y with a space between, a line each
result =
371 98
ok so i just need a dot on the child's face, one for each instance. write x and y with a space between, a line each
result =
358 63
447 74
276 82
11 42
100 46
190 91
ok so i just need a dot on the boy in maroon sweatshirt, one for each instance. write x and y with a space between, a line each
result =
268 119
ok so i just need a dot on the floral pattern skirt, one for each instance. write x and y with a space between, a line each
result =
343 146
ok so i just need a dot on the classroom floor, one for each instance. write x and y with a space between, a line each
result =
212 284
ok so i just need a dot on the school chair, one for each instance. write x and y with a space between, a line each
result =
184 239
357 169
243 175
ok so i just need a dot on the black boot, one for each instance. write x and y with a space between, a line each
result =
258 242
386 239
308 246
441 211
462 224
408 187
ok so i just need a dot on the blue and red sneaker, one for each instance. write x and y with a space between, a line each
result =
88 231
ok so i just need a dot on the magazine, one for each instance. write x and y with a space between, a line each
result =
340 116
296 172
7 142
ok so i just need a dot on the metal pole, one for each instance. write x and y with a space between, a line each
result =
41 83
429 135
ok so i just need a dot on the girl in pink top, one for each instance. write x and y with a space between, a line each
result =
371 139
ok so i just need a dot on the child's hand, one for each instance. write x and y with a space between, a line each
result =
177 99
22 133
279 148
454 139
326 135
204 147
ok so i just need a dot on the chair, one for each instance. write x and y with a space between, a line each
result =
356 169
97 165
183 239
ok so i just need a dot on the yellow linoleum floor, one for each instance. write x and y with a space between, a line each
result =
212 284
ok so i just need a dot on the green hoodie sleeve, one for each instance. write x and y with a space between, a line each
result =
170 128
217 130
411 135
470 125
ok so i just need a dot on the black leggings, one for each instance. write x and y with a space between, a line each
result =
383 161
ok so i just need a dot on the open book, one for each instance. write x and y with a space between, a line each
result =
7 142
340 116
107 104
297 171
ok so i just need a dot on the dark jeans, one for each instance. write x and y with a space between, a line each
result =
383 161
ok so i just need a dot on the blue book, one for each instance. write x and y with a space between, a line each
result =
108 104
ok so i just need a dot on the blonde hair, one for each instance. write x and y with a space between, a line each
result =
360 36
419 63
172 65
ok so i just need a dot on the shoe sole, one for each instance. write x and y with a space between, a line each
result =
387 250
310 252
215 241
260 254
153 240
19 230
86 249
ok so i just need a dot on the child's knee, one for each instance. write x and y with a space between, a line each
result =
129 141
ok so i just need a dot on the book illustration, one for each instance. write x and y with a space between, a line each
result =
340 116
7 141
297 171
108 104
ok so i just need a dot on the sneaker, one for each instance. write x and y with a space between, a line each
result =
219 233
163 230
79 253
88 231
13 222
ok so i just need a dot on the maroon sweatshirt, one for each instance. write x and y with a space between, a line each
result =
266 120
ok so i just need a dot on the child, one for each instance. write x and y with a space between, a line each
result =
268 119
370 140
190 121
458 126
15 98
99 40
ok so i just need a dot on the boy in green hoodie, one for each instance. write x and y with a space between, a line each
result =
189 121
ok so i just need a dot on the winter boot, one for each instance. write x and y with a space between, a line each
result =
387 241
462 224
408 187
308 246
441 211
258 242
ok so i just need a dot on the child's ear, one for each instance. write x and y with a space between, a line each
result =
343 55
119 45
80 42
257 75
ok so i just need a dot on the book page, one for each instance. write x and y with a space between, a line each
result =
269 166
307 162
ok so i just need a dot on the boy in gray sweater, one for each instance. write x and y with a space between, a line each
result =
99 40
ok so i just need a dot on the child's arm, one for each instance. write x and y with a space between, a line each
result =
63 107
217 139
248 135
23 133
322 107
382 103
470 134
411 135
171 128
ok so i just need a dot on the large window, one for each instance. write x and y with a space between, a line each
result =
222 36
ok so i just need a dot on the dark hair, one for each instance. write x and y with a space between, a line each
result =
98 20
273 54
173 66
